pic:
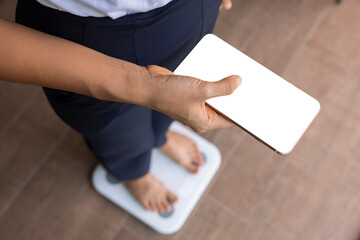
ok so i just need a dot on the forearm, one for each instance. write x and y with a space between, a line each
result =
31 57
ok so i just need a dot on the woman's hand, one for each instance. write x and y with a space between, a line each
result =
183 98
226 4
31 57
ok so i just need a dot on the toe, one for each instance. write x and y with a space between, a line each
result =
160 207
194 146
172 198
148 206
198 159
155 208
166 205
193 168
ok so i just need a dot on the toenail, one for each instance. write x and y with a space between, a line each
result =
168 213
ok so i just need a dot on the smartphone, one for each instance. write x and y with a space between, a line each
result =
265 105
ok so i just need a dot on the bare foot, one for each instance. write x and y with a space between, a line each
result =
183 151
151 193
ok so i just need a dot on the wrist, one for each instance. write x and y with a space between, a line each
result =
156 85
140 86
122 82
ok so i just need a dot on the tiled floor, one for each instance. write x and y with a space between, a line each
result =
313 193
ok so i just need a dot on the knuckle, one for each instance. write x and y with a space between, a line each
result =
201 130
229 87
198 129
204 88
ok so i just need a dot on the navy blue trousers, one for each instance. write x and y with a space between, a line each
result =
122 135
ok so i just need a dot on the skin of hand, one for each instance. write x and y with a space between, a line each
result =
32 57
226 4
183 98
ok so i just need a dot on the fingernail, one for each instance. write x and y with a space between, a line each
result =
238 80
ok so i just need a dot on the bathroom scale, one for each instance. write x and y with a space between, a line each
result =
187 186
265 105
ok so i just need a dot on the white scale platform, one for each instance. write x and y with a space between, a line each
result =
188 187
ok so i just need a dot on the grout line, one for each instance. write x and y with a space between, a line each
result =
120 227
32 174
335 179
282 166
247 43
132 231
233 149
18 114
268 189
281 169
268 9
228 159
215 137
192 214
306 39
213 180
65 213
178 234
227 209
271 183
347 161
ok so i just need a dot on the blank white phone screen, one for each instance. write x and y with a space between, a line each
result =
265 105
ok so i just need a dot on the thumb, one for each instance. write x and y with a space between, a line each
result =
223 87
157 70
